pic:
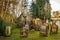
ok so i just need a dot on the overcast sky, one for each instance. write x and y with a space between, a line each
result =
55 4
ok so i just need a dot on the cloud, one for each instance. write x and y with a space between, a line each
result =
58 1
55 5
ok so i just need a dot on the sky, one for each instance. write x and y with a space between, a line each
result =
55 4
29 3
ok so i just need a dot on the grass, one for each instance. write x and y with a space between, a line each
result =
32 35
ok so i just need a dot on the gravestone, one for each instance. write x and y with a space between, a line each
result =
43 30
24 32
54 29
8 30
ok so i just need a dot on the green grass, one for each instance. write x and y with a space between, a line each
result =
32 35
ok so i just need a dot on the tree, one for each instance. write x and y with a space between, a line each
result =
39 11
34 10
6 7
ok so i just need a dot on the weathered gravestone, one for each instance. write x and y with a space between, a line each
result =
24 32
43 30
54 29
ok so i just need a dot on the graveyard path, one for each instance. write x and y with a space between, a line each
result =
33 35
